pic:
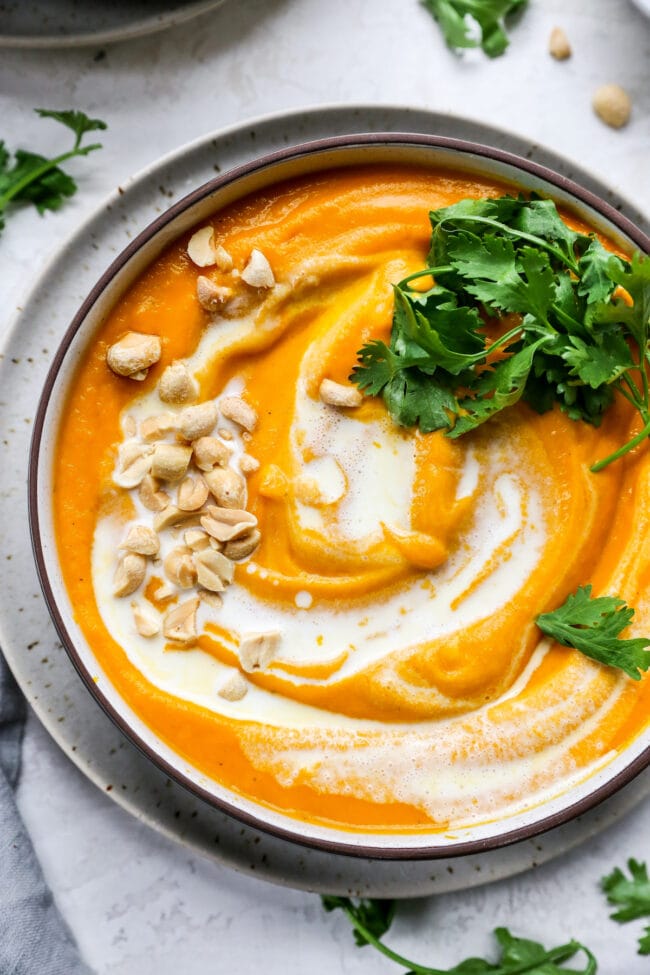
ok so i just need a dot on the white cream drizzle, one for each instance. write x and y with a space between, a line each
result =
365 472
376 462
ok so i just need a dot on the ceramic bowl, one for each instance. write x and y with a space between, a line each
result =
203 202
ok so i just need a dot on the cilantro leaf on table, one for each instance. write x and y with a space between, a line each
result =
371 919
644 943
75 120
373 914
490 16
593 624
631 895
36 179
576 317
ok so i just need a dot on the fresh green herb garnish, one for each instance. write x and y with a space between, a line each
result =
571 336
489 15
632 895
371 919
32 178
592 625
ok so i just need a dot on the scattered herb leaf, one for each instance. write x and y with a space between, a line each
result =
374 915
371 919
592 624
631 895
490 16
32 178
573 337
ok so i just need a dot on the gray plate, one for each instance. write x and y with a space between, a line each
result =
73 23
26 634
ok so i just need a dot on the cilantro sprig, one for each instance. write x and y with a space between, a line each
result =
32 178
371 919
490 16
593 624
631 895
577 324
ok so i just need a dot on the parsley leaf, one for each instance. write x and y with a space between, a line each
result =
489 15
644 943
412 400
580 321
496 389
631 895
371 919
593 625
79 122
373 914
32 178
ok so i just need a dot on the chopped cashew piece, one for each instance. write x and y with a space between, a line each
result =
257 650
129 426
151 497
176 386
202 248
146 620
157 427
179 567
180 623
211 296
164 591
171 516
142 540
558 45
225 524
215 571
248 464
210 452
336 394
242 547
212 599
258 272
133 464
236 409
228 487
192 493
613 105
234 689
199 421
170 461
196 539
130 573
133 354
224 260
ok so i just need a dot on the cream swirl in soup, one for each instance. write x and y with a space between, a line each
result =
396 577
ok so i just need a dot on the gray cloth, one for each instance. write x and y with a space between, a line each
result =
34 939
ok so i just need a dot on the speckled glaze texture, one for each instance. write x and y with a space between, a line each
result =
49 681
75 23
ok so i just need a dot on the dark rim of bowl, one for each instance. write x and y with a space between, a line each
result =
353 848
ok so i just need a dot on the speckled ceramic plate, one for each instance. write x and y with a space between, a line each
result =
73 23
41 666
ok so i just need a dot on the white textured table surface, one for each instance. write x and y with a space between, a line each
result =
137 902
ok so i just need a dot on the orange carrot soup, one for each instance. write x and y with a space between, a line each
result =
326 613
